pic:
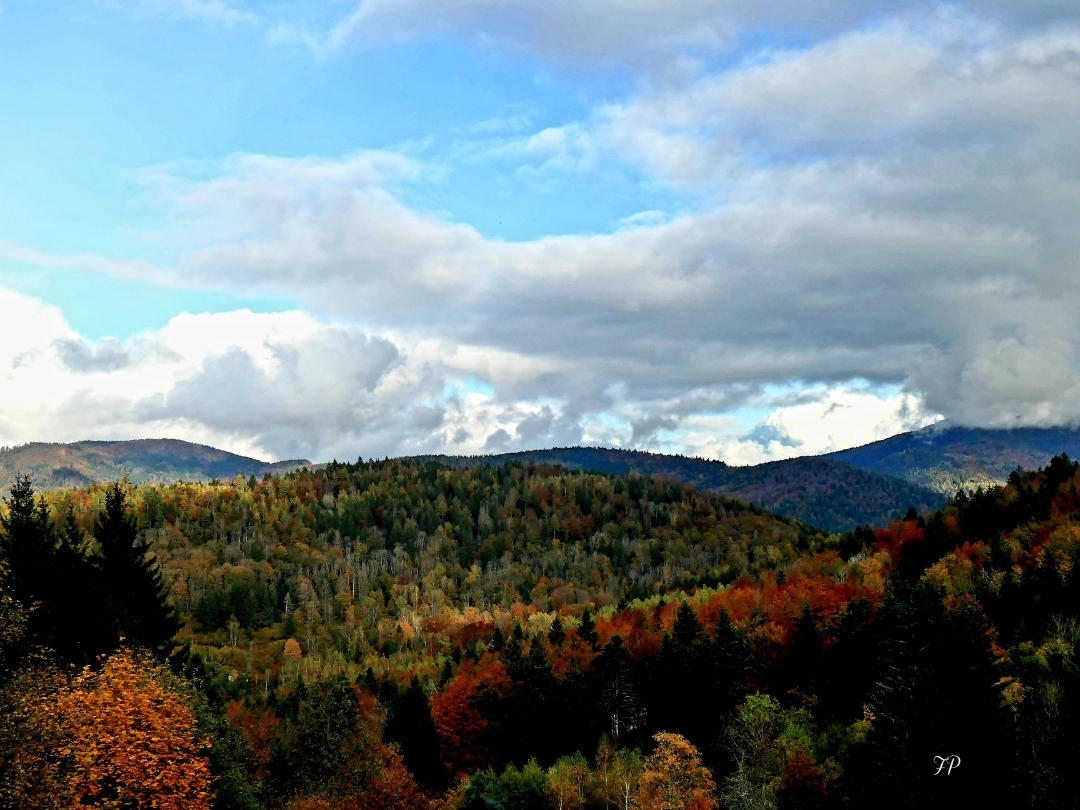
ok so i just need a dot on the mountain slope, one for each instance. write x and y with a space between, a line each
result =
945 458
819 491
144 461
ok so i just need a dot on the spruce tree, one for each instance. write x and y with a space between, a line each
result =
587 630
137 609
79 636
557 633
28 546
688 629
409 723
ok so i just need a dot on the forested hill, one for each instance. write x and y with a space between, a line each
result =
825 493
403 636
945 457
143 461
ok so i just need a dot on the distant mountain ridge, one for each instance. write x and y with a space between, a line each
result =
821 492
945 457
144 461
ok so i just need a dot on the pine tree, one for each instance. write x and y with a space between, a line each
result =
28 544
587 630
29 548
687 630
409 724
137 606
498 641
804 655
557 633
79 635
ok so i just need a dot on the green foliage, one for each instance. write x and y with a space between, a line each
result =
231 760
324 745
527 789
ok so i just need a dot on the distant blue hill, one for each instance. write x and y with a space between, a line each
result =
944 457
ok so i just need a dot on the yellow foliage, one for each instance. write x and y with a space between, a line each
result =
130 741
674 778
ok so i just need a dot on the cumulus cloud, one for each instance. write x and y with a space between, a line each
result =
893 202
282 385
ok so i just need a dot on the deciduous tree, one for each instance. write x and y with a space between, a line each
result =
674 778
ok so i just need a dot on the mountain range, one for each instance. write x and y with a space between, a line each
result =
144 461
947 457
867 485
821 492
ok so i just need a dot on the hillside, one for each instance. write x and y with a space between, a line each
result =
822 492
491 622
944 457
144 461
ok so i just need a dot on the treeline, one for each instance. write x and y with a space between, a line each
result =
406 635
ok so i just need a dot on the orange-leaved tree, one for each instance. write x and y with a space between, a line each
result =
131 740
674 778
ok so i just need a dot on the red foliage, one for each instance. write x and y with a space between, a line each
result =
460 711
804 785
899 534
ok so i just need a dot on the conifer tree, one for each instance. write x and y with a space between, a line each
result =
587 630
409 724
78 636
498 641
557 633
30 549
687 630
137 607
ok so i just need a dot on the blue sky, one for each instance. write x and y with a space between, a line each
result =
341 228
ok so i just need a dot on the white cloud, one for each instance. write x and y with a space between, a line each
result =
281 385
669 38
895 205
894 202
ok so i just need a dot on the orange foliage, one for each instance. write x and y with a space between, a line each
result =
674 778
131 742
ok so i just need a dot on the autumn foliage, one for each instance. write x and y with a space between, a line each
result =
130 741
674 778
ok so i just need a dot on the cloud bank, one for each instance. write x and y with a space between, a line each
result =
882 219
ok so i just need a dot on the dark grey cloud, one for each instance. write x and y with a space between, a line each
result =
315 396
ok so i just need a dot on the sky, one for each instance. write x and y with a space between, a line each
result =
723 228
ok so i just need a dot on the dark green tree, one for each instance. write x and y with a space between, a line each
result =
323 746
135 593
557 633
687 630
498 641
587 630
29 549
410 725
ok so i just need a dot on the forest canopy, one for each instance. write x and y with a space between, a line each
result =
403 634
